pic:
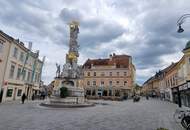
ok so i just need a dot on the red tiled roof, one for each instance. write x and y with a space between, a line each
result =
121 61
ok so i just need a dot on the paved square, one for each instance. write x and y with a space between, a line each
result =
126 115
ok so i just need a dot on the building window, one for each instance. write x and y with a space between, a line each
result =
1 47
102 83
88 74
9 92
94 73
125 73
11 74
125 83
110 83
28 78
18 73
94 83
15 52
110 73
88 82
22 57
102 74
117 82
117 73
117 93
19 92
23 74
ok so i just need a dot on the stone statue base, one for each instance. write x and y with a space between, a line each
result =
76 95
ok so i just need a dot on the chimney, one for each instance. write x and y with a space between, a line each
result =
17 40
22 43
30 46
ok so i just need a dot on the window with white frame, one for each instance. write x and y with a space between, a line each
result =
88 82
88 73
102 83
19 92
110 83
21 57
9 92
11 73
15 52
19 73
94 73
94 83
117 82
125 83
23 74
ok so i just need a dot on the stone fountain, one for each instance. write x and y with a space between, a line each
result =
70 76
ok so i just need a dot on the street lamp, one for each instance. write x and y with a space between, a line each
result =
180 21
180 29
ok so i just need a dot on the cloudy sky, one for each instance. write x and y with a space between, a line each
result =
144 29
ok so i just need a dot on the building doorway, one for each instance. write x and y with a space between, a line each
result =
1 95
99 92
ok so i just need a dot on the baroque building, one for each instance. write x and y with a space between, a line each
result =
110 78
173 82
20 69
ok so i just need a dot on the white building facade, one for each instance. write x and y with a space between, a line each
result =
22 70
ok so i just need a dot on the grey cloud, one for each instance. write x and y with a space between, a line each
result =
67 15
153 21
98 30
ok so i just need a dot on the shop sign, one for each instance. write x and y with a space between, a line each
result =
183 87
188 84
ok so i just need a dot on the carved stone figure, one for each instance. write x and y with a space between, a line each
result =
71 69
58 70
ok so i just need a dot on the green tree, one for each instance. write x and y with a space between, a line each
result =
64 92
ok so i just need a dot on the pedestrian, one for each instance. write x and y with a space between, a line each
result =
33 96
23 98
147 97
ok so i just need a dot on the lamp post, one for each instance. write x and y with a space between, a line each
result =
180 21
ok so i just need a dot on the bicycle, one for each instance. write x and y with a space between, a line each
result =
183 116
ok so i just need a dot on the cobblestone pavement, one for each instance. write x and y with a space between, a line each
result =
144 115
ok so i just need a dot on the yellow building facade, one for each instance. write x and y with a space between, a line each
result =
110 78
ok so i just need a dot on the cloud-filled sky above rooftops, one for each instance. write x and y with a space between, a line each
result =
144 29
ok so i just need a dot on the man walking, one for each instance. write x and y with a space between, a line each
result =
23 98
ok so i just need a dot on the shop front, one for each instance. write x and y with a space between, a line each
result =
184 92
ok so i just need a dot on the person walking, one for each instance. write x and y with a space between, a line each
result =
147 97
23 98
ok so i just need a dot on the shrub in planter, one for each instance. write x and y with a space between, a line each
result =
64 92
